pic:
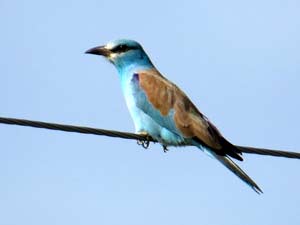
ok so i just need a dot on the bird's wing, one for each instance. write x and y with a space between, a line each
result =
188 121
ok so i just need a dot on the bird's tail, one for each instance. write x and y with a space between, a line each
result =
234 168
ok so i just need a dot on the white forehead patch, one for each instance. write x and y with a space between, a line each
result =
109 45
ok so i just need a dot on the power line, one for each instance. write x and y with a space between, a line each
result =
74 129
270 152
132 136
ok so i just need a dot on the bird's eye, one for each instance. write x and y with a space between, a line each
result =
120 48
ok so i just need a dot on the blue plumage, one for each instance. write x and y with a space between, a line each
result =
160 109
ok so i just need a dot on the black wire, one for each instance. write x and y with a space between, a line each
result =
270 152
126 135
74 129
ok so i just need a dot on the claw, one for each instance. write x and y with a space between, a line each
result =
144 143
165 149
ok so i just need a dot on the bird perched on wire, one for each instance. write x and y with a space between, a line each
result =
160 109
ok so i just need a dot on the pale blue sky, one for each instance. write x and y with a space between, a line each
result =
238 61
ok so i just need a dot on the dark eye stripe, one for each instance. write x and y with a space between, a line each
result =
122 48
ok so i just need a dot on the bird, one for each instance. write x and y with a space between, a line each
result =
161 110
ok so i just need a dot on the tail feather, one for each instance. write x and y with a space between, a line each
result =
234 168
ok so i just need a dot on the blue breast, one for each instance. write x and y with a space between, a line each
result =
142 103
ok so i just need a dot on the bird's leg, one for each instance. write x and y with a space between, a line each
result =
165 148
144 143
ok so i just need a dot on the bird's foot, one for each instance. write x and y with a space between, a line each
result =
165 148
144 143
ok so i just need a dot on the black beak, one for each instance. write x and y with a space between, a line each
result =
100 50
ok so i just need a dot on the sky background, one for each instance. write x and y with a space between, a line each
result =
238 61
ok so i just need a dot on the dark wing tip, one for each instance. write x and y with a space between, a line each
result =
231 150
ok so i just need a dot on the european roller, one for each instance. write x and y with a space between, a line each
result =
161 110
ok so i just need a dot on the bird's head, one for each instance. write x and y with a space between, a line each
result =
122 53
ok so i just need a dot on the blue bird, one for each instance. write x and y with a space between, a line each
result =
164 112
